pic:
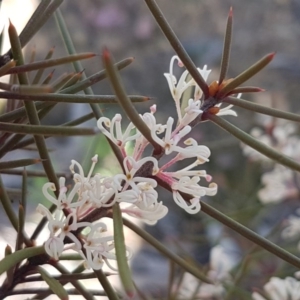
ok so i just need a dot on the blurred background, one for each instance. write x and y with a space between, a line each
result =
128 30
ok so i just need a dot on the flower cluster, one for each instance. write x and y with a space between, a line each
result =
134 189
280 289
279 183
292 229
178 88
220 264
170 138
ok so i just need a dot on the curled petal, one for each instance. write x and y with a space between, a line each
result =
193 208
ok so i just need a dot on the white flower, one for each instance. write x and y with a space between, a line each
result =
204 73
186 180
190 186
221 262
115 131
54 246
219 268
131 167
192 111
79 176
103 192
145 207
178 88
194 150
64 201
141 142
281 137
280 289
60 227
278 185
98 247
292 230
192 208
169 142
226 111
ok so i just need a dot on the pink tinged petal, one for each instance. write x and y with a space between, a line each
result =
208 178
153 108
62 185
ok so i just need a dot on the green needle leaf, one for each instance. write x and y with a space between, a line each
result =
124 270
250 235
247 74
37 20
177 46
9 272
95 78
255 144
20 236
40 72
226 48
110 292
18 163
241 229
124 101
105 99
262 109
46 130
4 69
6 203
24 89
50 63
54 284
16 257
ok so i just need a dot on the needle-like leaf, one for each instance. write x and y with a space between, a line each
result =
226 48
